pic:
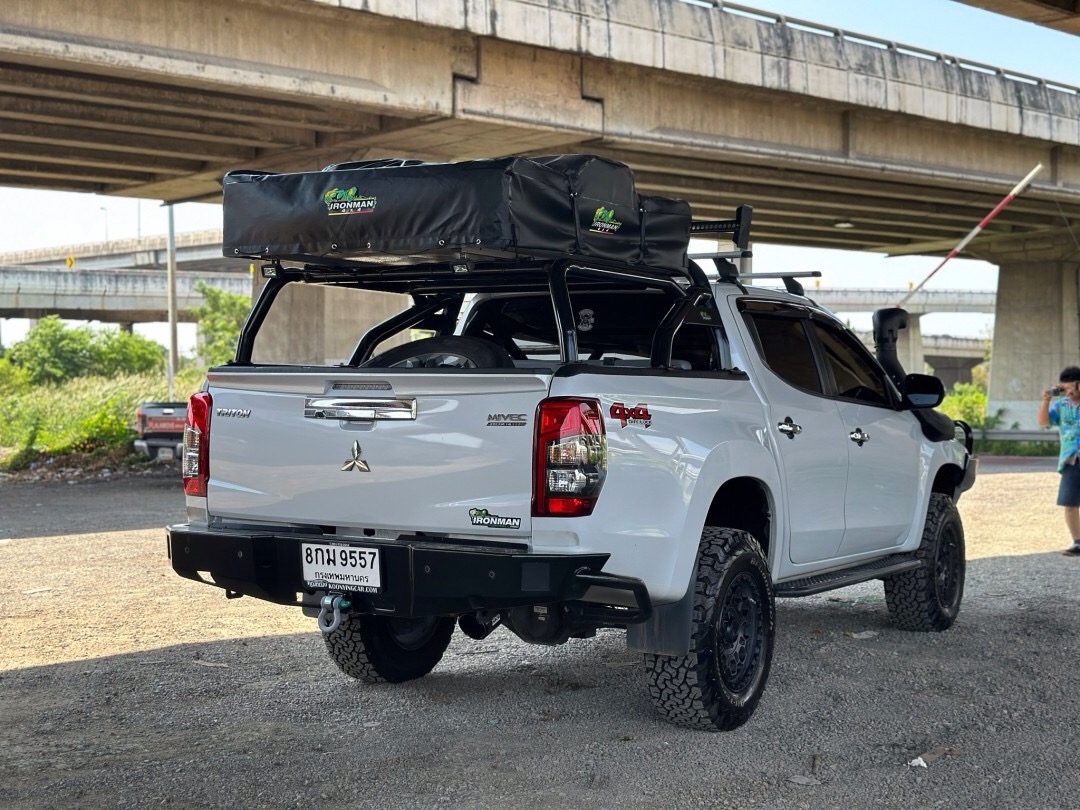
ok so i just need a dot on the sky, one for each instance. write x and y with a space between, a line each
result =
945 26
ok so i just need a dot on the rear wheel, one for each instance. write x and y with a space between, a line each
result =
717 686
379 649
928 598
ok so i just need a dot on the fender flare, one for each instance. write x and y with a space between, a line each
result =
667 631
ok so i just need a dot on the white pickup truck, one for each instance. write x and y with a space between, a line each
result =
571 440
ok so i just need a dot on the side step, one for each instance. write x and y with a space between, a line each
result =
886 566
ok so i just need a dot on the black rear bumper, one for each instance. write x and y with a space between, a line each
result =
420 576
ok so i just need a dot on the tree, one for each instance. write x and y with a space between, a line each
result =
220 318
52 352
114 353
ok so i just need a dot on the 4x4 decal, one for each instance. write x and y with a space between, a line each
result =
637 415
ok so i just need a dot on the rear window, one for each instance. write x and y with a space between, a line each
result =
608 325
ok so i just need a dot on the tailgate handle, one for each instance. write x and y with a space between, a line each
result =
359 409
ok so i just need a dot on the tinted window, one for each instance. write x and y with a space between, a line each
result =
609 326
785 347
855 374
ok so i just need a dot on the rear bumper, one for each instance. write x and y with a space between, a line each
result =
152 447
420 576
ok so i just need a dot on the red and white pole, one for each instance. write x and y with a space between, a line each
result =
1019 187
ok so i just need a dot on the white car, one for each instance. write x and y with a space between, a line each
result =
573 441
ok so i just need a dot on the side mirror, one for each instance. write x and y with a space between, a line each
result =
922 391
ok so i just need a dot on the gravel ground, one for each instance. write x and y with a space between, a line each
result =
123 685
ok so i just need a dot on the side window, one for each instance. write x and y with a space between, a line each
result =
855 374
785 347
695 347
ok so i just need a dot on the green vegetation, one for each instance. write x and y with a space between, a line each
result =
967 401
71 392
53 353
220 318
88 415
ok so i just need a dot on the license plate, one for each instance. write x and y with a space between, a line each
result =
162 425
166 453
341 567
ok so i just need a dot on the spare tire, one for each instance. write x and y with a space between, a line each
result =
451 351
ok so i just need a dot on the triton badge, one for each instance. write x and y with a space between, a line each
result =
355 463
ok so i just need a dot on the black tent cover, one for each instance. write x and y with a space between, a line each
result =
408 211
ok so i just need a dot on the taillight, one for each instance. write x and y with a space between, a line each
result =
196 462
140 422
570 457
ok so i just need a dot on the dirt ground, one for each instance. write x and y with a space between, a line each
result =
122 684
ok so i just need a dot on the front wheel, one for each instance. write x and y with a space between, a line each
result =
717 686
379 649
928 598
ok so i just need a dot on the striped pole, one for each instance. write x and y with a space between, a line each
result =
1008 198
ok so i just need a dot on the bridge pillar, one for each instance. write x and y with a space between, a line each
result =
1036 326
952 370
319 325
909 348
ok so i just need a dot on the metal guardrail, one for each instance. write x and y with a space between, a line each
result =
1038 435
884 44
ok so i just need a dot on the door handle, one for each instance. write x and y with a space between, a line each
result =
859 436
789 428
364 410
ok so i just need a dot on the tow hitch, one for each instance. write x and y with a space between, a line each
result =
330 615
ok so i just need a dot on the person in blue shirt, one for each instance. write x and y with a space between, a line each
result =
1060 406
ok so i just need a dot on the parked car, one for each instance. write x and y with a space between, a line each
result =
159 429
596 433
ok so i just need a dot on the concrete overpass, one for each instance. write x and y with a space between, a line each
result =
837 139
1063 15
195 251
112 296
923 302
99 288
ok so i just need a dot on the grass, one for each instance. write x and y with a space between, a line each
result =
90 418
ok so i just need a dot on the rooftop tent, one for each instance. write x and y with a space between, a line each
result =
409 211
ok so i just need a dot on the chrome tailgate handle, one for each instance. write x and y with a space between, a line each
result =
359 409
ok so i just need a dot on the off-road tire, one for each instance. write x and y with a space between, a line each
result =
716 687
928 598
379 649
441 352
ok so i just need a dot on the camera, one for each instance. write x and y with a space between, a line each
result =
1057 391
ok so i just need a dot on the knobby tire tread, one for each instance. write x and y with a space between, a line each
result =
360 651
684 688
911 597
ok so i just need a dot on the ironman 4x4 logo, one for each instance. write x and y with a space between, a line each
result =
638 415
347 201
481 517
603 221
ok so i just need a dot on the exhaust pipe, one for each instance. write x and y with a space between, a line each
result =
474 627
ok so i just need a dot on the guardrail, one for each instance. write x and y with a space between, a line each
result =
885 44
1037 435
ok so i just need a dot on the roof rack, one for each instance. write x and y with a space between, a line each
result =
788 277
739 228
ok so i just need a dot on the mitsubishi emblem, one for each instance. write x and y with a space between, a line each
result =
355 463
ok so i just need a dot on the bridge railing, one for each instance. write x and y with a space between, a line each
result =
885 44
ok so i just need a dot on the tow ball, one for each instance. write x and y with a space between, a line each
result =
330 615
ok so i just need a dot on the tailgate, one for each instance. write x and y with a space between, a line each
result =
445 452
